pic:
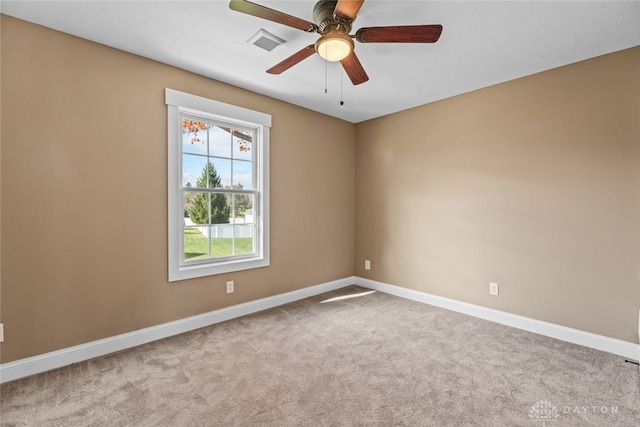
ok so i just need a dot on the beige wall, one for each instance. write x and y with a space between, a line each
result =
534 184
84 198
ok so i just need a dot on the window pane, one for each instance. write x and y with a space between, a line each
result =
222 243
243 208
196 206
220 208
242 144
220 142
242 174
193 171
244 239
196 243
194 136
187 205
222 173
244 227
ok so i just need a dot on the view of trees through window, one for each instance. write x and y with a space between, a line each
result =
218 187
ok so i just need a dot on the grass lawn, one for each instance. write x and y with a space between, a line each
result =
196 245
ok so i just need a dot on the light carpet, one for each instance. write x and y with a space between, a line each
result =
351 357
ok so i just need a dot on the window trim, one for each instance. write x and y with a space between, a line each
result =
179 102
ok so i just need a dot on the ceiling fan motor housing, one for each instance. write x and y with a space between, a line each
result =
327 21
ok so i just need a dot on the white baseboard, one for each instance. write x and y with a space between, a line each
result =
575 336
57 359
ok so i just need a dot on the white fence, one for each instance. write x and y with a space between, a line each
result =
217 231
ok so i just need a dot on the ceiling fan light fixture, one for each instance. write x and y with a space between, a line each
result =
334 46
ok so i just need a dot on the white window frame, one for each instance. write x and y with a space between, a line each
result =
180 102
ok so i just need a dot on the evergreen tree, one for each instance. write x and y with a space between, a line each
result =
202 202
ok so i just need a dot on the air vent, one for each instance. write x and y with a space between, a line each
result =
265 40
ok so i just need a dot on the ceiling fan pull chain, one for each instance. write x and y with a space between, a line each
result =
341 86
326 64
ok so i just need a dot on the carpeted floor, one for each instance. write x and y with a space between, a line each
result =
352 357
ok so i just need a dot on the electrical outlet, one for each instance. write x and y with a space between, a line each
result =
367 264
494 288
230 287
1 332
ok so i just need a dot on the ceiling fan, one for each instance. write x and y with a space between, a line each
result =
333 20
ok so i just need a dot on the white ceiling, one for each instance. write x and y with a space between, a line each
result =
483 43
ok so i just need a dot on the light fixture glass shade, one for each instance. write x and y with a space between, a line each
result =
334 46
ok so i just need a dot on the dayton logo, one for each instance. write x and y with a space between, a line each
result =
543 411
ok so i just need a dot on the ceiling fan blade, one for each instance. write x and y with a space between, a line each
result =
354 69
400 34
299 56
271 15
348 9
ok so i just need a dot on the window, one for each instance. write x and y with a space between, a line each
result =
218 178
